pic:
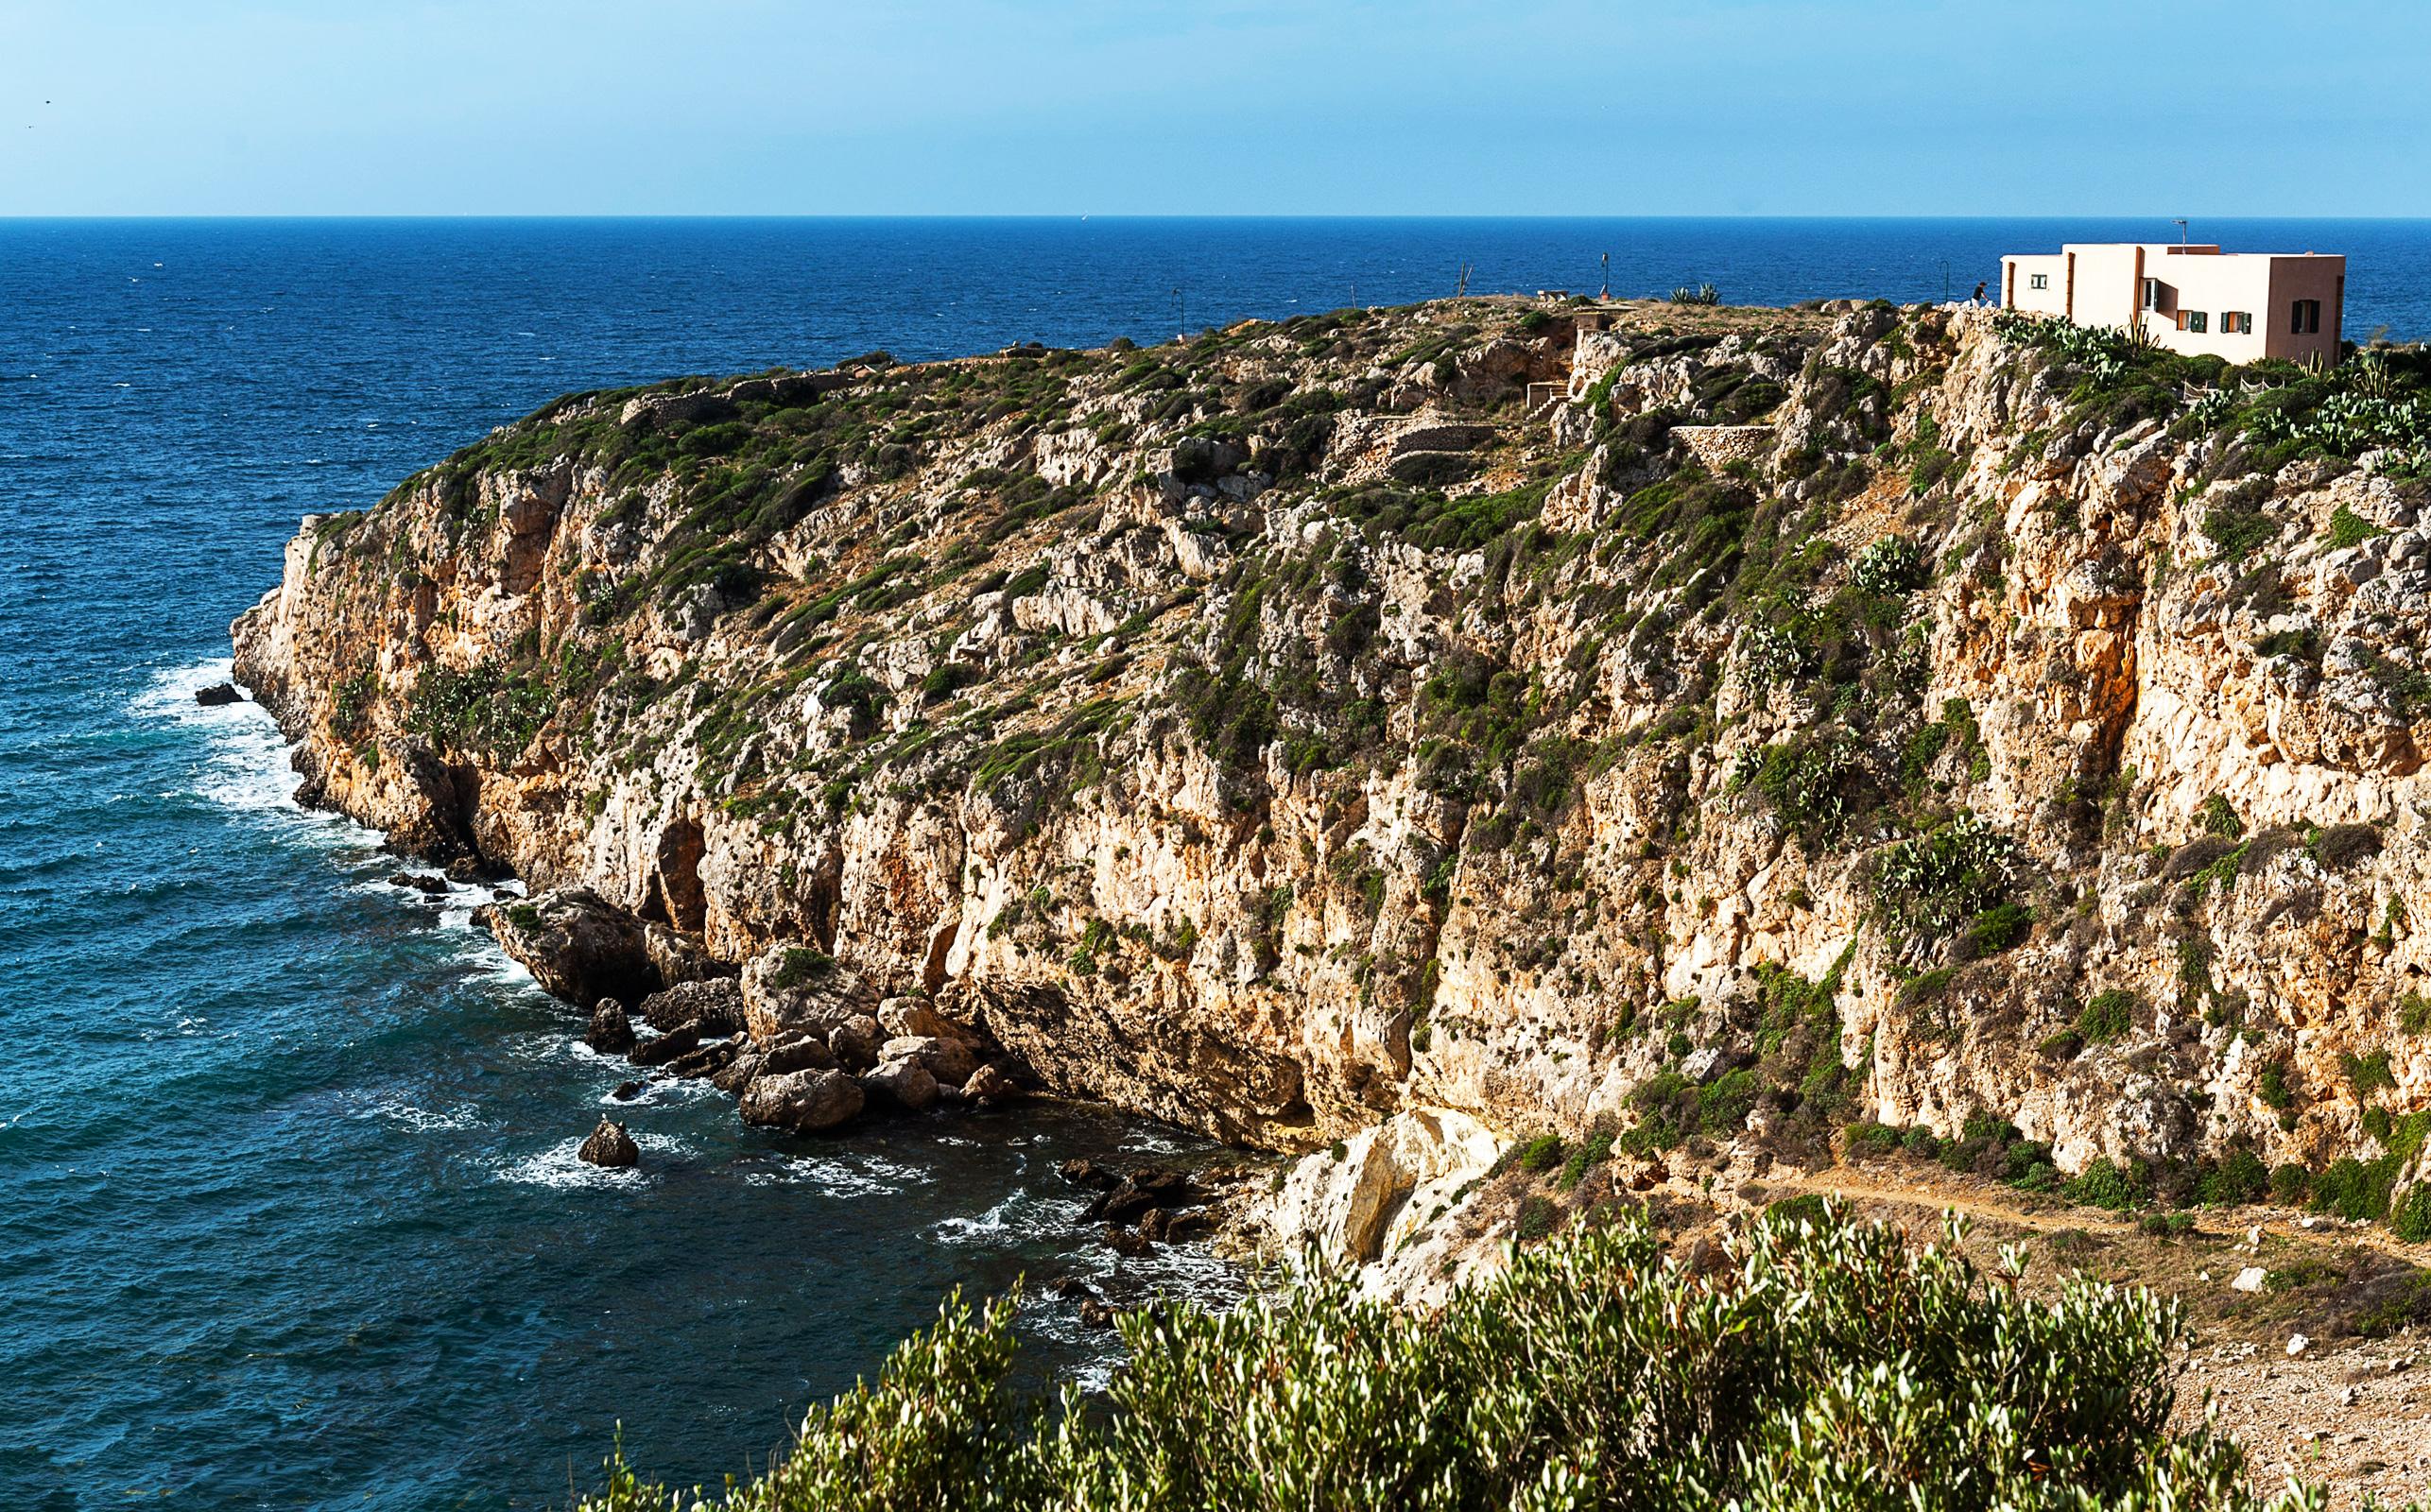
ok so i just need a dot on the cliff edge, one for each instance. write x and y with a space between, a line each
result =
1668 728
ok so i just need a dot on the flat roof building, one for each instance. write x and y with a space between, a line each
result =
2197 299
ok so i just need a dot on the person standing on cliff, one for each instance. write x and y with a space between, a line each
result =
1979 292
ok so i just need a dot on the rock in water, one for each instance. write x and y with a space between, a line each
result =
611 1032
609 1145
665 1047
216 694
805 1101
989 1085
577 945
714 1006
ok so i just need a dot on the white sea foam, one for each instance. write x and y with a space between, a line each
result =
422 1119
245 759
561 1164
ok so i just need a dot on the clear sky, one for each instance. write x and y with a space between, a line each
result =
1413 107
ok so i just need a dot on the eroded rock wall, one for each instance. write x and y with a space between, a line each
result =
1280 731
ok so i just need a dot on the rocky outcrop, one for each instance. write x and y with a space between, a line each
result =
1381 1200
609 1145
802 1101
575 945
1284 734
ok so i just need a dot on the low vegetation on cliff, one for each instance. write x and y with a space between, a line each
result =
1814 1364
1709 736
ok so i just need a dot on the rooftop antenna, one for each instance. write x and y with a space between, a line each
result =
2181 224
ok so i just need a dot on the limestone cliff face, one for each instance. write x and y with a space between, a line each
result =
1292 727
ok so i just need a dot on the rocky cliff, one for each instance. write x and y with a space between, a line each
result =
1681 729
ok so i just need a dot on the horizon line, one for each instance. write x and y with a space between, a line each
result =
1146 215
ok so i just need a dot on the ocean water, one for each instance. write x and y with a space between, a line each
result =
289 1215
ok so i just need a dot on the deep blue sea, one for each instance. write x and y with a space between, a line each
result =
289 1215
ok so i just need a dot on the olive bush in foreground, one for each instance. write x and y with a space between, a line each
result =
1825 1365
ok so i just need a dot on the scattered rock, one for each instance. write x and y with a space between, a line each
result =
1129 1242
854 1042
2250 1280
1142 1190
2297 1344
989 1085
218 693
796 1052
712 1057
740 1072
431 886
905 1080
665 1047
714 1006
948 1060
805 1101
1085 1173
611 1032
627 1091
609 1145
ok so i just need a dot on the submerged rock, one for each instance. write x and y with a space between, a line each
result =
609 1145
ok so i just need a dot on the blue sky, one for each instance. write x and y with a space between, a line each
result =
1423 106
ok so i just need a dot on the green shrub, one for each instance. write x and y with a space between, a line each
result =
2348 528
2274 1089
2368 1074
2410 1218
2218 816
2105 1185
2235 1181
2000 927
2291 1183
1536 1218
1869 1140
1825 1364
2107 1016
1931 882
798 966
1540 1154
2237 530
2354 1189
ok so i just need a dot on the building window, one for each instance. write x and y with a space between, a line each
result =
2236 324
2038 281
2152 294
2198 321
2304 318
